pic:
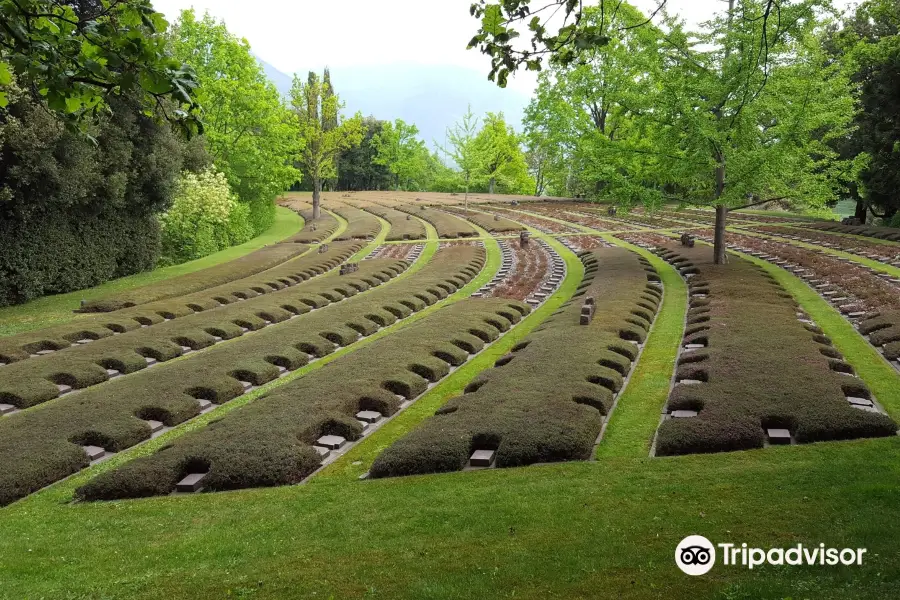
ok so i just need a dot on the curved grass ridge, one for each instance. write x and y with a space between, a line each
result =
448 226
210 303
759 367
42 445
870 366
403 225
532 407
30 382
862 260
359 459
327 227
360 224
269 442
58 309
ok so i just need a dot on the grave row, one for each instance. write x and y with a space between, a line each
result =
403 226
44 341
448 226
283 437
888 254
492 223
360 224
535 406
256 262
314 231
39 447
27 383
751 373
883 233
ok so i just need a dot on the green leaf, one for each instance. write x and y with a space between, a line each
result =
5 74
4 101
492 21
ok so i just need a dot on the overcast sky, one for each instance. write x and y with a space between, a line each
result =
294 35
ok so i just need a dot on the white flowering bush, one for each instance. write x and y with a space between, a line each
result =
205 217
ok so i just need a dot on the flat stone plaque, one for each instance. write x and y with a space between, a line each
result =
683 414
190 484
332 442
204 404
155 426
94 452
84 341
5 409
323 452
482 458
44 352
859 401
63 389
694 346
690 382
246 385
112 373
369 416
779 436
150 361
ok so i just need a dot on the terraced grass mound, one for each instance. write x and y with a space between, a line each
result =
750 366
883 330
448 226
41 446
492 223
270 441
403 225
255 262
360 224
314 231
31 382
547 400
883 233
97 327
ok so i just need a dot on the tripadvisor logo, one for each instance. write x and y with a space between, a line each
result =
696 555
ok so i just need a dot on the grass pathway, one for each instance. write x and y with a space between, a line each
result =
51 310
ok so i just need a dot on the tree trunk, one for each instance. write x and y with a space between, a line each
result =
861 210
491 186
317 192
467 195
719 242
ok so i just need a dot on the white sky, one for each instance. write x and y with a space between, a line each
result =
294 35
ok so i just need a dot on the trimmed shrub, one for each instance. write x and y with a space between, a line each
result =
761 368
360 224
884 233
403 226
74 214
204 218
269 442
316 231
448 226
486 221
534 407
29 382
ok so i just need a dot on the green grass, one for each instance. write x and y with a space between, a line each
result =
600 529
631 426
50 310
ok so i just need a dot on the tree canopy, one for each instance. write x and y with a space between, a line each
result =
78 55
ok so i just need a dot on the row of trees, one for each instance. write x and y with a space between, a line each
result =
752 108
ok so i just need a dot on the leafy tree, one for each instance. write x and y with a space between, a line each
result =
499 148
250 132
358 168
317 109
736 115
398 149
463 150
80 54
869 42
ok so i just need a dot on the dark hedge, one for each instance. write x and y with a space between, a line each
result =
485 221
269 442
883 233
883 330
547 400
314 232
761 368
74 214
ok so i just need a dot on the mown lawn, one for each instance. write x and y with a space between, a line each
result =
605 529
58 309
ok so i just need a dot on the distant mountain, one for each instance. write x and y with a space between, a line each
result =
432 97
